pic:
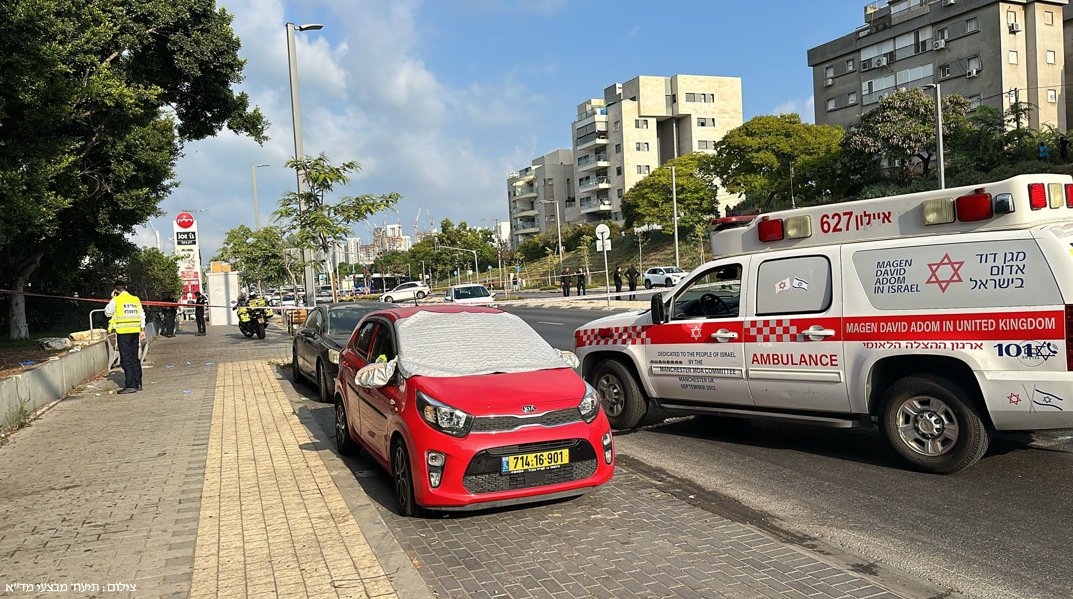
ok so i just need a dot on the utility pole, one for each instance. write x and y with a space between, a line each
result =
674 203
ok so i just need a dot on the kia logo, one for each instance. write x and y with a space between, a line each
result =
528 409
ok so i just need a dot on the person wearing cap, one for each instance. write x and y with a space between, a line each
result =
127 320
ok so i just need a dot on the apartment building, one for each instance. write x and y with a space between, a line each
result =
992 52
539 193
617 141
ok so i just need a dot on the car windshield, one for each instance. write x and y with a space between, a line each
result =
470 292
342 322
451 344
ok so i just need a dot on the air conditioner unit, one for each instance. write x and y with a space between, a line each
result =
938 44
879 61
972 73
949 2
1015 27
828 82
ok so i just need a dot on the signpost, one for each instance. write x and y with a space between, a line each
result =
603 244
184 234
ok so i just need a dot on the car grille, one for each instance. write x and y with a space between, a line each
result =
484 472
495 424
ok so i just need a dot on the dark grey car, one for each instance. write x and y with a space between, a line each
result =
315 354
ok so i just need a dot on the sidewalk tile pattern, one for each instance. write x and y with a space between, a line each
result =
272 523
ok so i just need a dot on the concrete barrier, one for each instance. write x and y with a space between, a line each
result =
33 389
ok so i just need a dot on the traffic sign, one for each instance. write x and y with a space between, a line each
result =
603 231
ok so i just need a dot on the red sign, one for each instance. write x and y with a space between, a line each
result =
185 220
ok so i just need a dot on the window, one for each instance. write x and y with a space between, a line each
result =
640 124
972 24
1011 16
643 169
850 65
944 71
1051 58
799 285
1048 17
1052 95
342 322
702 145
314 322
974 63
1013 56
618 126
702 122
714 294
974 101
942 33
618 148
852 98
618 171
691 97
641 146
618 192
830 104
829 72
361 342
384 345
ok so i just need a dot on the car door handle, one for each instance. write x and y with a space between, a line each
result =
816 332
723 335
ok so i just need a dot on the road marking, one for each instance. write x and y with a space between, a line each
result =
554 323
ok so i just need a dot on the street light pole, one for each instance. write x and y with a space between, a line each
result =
939 133
296 119
674 203
558 230
256 210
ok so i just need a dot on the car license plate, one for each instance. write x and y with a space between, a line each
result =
535 461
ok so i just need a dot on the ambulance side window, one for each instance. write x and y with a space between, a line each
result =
714 294
798 285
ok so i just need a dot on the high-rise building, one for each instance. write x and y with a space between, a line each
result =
992 52
534 192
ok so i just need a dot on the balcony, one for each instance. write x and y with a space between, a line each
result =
522 192
590 204
592 161
592 112
524 210
526 225
591 140
594 183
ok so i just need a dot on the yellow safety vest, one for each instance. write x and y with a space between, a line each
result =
128 314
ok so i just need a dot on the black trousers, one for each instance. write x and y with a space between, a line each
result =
200 316
129 344
169 324
581 289
566 291
633 287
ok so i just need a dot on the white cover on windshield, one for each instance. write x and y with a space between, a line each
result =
471 343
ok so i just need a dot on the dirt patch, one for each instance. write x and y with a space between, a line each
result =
11 358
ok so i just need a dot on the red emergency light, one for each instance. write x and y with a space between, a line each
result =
973 207
1069 195
770 229
1037 196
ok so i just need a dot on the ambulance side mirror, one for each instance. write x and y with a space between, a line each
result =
659 314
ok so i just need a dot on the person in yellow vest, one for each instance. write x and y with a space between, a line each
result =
128 323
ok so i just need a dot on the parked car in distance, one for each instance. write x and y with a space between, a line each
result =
406 291
665 276
506 421
316 346
469 294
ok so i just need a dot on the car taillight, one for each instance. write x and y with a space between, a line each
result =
975 206
1037 196
1069 337
770 229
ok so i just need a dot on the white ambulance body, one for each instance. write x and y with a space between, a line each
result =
939 316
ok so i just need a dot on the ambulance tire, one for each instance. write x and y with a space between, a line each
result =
622 398
934 400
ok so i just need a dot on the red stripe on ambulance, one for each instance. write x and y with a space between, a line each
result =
1029 326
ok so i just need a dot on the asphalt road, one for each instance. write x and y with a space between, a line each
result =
999 529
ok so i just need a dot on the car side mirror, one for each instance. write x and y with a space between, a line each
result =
376 375
492 294
570 358
659 314
306 332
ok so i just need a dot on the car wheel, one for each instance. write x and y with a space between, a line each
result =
648 284
932 423
668 283
296 373
420 295
403 480
343 443
322 384
389 299
621 396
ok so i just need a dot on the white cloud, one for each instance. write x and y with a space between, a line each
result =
805 108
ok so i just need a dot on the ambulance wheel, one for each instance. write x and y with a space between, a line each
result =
621 396
932 423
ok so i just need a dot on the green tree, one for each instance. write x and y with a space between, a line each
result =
313 222
649 201
151 275
902 129
99 98
259 255
764 157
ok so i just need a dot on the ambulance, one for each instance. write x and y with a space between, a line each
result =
939 317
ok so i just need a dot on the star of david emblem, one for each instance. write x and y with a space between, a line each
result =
695 332
1014 398
782 285
955 272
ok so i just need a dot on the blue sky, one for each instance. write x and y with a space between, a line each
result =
438 100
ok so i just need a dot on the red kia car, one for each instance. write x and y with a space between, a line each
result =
468 408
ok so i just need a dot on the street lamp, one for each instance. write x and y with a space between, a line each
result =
476 271
938 131
256 210
558 230
674 203
499 253
296 119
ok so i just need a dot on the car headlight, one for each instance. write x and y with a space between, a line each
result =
590 404
333 356
443 417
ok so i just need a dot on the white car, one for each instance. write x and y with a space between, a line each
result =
406 291
663 276
469 295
